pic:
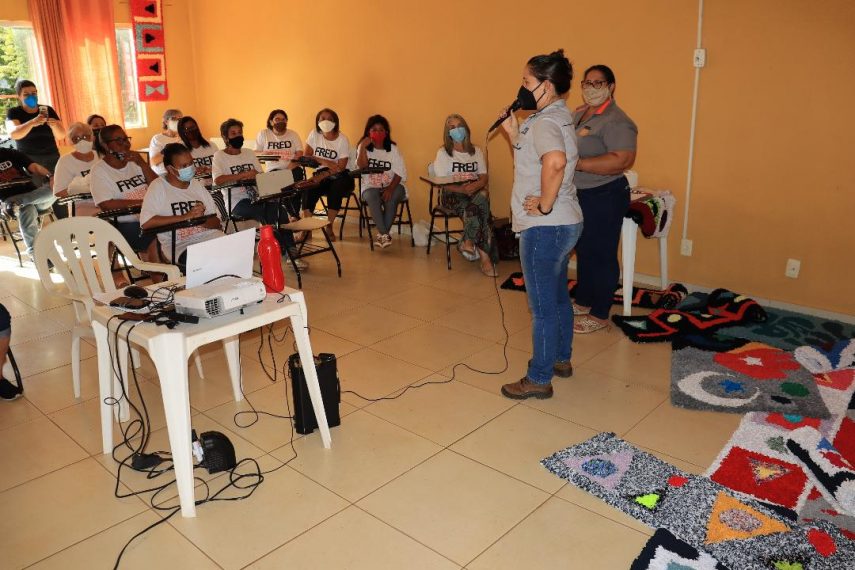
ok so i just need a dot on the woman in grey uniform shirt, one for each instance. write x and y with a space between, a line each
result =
606 148
547 215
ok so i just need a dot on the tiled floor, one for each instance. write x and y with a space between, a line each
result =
447 476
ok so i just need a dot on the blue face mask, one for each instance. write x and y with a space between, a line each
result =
187 173
31 101
457 134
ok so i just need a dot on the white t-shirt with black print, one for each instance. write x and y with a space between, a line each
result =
164 199
285 145
460 163
67 169
226 164
108 183
155 148
387 159
330 150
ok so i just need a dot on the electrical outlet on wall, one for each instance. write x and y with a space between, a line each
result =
686 247
793 267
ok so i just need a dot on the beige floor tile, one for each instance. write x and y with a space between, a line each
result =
35 448
374 375
641 364
515 442
31 292
431 346
422 302
367 287
366 452
235 533
593 504
561 535
34 326
282 345
490 361
454 505
47 353
43 517
52 390
82 422
599 402
159 442
18 412
324 301
466 278
366 325
483 318
361 542
63 315
442 413
16 307
699 439
584 346
161 547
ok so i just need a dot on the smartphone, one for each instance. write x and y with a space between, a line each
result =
129 303
43 111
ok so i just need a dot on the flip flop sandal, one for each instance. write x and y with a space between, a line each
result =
467 254
587 325
578 311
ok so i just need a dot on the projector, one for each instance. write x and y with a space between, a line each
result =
221 297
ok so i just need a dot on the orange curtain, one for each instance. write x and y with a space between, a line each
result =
78 43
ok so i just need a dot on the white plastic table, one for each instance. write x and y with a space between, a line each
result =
170 350
629 241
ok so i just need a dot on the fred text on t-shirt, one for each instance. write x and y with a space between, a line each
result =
130 183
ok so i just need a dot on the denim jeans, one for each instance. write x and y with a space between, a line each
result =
382 212
544 254
29 205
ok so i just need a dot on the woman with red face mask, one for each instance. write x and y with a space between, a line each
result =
382 191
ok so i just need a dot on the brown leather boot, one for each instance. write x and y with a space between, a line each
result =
563 369
525 388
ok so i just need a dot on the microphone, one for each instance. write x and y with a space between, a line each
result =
514 106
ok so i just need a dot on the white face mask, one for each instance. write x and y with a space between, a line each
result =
83 146
172 125
326 126
595 96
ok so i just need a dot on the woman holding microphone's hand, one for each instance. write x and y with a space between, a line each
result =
546 213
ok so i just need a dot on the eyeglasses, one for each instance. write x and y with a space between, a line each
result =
80 138
120 139
596 84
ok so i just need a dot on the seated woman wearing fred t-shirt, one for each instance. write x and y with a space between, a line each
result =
469 199
278 139
332 149
96 123
201 148
237 164
120 180
177 197
75 167
384 191
169 134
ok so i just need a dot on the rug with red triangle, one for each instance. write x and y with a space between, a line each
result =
734 530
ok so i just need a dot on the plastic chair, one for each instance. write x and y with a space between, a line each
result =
79 249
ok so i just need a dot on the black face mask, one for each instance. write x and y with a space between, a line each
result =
236 142
526 97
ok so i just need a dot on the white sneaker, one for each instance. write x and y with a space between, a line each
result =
387 240
301 265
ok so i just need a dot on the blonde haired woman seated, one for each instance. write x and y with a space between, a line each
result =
469 199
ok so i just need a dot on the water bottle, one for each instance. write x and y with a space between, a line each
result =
270 257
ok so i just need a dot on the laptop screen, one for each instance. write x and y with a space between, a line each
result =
231 254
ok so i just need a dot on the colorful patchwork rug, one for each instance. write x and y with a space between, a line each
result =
641 297
740 533
664 551
783 329
751 377
723 309
757 461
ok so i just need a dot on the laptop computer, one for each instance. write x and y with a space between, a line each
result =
272 183
231 254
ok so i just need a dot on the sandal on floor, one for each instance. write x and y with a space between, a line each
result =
578 311
491 272
586 325
468 255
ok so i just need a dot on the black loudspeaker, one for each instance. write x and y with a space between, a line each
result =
304 415
219 452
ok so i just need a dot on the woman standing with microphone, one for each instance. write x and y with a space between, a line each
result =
547 215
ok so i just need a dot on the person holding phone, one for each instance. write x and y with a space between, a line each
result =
35 127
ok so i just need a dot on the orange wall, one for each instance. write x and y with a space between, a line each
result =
773 130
